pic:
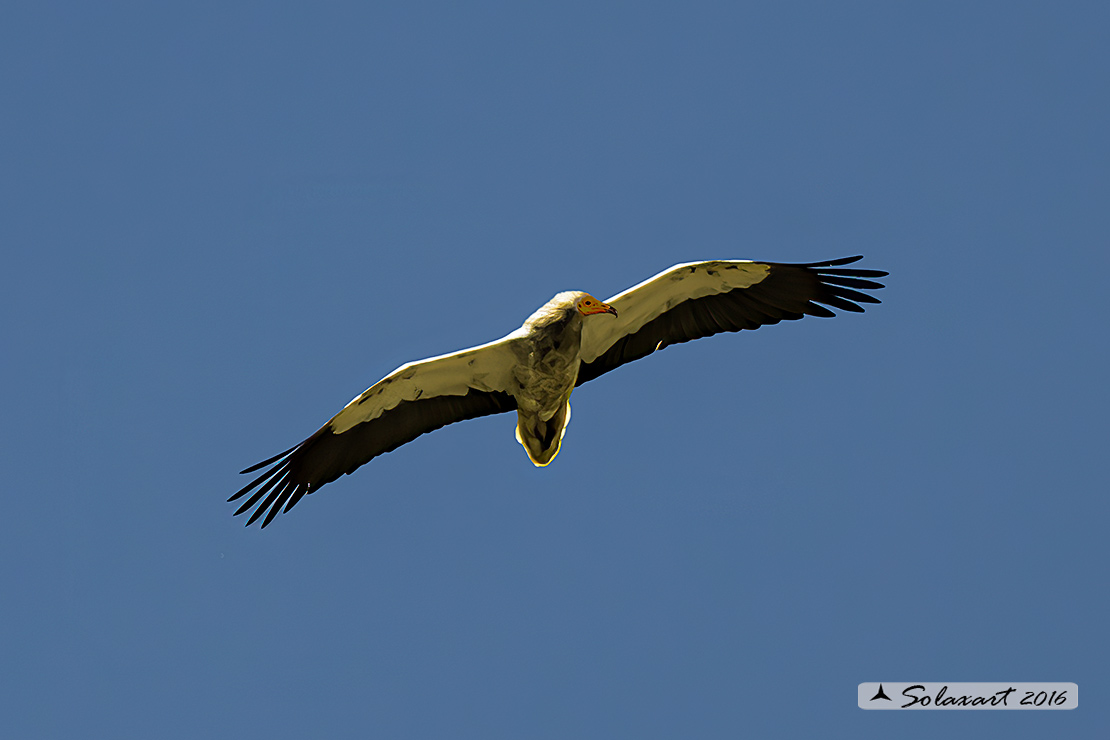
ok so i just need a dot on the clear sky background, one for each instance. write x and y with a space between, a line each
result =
221 221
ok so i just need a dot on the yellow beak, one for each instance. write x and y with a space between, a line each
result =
600 308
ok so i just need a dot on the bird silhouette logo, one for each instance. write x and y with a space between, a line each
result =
881 695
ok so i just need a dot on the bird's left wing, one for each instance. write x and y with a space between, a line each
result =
699 299
415 398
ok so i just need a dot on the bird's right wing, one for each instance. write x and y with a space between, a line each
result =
415 398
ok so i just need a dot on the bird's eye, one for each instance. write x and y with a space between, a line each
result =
587 303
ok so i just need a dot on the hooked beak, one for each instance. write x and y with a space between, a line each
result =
602 308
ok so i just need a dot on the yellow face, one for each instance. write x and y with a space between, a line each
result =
588 305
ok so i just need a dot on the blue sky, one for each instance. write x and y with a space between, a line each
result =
221 221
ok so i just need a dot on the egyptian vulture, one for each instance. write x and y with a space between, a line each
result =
570 340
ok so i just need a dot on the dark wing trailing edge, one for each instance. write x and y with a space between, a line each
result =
325 456
789 291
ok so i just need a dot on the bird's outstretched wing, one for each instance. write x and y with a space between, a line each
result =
699 299
415 398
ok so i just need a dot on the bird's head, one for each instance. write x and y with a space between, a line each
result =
588 305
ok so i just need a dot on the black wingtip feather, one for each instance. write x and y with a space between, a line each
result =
297 496
813 309
265 505
853 272
250 485
273 459
278 503
841 303
832 263
851 282
851 295
276 480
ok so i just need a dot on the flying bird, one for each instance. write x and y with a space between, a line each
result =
570 340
